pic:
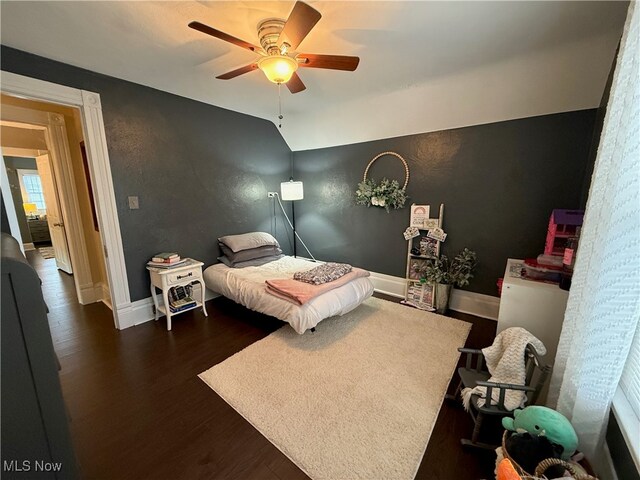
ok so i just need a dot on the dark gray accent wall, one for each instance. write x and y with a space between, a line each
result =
12 164
499 183
24 163
597 131
199 171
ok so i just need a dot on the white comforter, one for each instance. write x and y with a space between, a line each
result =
246 286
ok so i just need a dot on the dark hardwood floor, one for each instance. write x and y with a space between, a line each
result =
138 409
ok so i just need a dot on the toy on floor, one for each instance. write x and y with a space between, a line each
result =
538 421
520 457
506 471
529 450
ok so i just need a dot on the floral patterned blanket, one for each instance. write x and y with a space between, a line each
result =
325 273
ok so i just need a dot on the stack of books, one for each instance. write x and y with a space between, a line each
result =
166 260
182 304
180 298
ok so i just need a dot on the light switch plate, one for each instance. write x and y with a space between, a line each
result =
133 203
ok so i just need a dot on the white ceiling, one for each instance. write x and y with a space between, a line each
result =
424 66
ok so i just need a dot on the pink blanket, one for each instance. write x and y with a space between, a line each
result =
301 292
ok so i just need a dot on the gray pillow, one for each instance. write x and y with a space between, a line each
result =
251 263
250 254
248 240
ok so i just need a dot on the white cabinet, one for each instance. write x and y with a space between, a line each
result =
539 307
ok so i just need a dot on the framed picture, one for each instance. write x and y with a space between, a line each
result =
419 215
415 292
415 266
428 246
431 223
420 295
427 295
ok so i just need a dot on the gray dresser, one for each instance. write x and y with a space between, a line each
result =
35 432
39 231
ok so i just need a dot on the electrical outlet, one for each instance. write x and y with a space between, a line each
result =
271 194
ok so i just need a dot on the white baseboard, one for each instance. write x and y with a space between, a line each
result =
106 295
101 293
28 247
477 304
107 302
89 293
388 284
98 292
141 311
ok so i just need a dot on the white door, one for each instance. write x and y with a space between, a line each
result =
54 215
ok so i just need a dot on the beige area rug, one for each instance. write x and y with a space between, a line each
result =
47 252
357 399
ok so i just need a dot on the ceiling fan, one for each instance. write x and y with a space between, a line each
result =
279 40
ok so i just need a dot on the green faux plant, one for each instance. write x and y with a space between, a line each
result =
387 194
456 272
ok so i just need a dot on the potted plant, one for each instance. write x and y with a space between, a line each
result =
443 273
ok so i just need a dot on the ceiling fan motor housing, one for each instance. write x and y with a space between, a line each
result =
268 33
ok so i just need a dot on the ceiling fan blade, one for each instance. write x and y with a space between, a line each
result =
295 85
298 25
238 71
201 27
333 62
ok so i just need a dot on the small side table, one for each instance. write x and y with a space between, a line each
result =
164 278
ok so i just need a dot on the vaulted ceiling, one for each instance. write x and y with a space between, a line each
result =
424 66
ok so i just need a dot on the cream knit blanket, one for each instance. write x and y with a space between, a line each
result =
506 364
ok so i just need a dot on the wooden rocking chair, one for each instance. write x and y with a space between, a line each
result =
470 377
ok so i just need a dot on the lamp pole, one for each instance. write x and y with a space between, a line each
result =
293 223
292 191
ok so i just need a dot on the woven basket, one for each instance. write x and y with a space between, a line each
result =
542 466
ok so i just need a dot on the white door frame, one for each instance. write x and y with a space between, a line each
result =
100 173
66 195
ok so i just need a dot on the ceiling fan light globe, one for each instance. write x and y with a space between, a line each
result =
278 68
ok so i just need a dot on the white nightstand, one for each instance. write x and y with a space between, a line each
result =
165 278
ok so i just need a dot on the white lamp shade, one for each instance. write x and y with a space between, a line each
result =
291 190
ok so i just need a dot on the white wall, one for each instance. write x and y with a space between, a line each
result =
543 82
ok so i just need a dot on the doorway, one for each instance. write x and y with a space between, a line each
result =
55 197
125 312
36 203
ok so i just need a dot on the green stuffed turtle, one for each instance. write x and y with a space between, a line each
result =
544 421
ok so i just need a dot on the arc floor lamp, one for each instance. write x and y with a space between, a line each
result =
292 191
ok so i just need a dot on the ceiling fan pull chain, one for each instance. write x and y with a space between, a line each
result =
280 117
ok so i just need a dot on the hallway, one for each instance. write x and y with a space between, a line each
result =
67 317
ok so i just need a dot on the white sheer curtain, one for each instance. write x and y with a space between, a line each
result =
604 301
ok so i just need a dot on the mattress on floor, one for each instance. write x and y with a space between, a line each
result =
246 286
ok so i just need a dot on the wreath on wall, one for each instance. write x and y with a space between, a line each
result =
387 194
